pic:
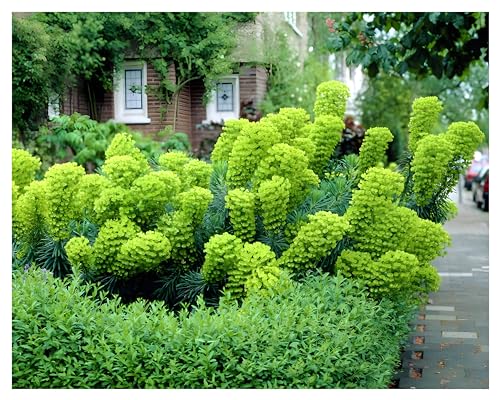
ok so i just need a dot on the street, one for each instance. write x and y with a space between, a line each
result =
449 346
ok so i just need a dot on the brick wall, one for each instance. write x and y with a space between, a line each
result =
75 100
253 84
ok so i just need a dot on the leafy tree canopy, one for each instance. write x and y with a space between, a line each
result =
436 43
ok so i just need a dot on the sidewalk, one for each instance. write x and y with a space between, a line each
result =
449 345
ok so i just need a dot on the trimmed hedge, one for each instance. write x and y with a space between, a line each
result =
322 333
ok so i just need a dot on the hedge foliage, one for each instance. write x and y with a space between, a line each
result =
322 333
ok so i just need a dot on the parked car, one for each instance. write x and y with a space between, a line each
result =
481 189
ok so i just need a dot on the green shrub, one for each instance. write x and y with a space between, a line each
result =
322 333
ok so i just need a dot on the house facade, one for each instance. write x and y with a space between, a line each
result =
235 95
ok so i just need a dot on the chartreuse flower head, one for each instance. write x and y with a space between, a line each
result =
112 235
24 167
221 255
274 202
325 133
241 205
249 149
424 116
374 147
252 257
289 122
430 166
230 132
61 188
331 99
314 240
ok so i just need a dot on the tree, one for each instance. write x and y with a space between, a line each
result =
437 43
53 50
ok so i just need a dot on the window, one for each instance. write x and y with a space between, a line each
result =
225 96
291 18
131 104
225 101
54 108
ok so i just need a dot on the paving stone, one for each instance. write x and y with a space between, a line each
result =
459 335
439 308
438 317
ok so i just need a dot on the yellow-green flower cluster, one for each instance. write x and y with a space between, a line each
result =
252 257
393 275
331 99
29 213
290 163
241 205
249 149
173 161
149 195
379 228
221 255
61 188
374 147
90 188
194 203
24 167
265 279
80 252
465 138
425 114
196 173
274 202
142 253
230 132
120 249
314 240
123 170
123 144
289 122
178 228
112 235
430 166
325 133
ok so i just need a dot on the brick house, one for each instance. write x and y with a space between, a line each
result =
130 104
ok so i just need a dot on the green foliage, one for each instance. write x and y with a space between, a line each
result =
40 63
416 44
331 99
314 240
241 205
374 147
282 341
24 168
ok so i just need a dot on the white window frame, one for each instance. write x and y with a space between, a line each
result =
219 116
122 114
291 18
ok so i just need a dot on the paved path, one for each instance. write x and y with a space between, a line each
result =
449 345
